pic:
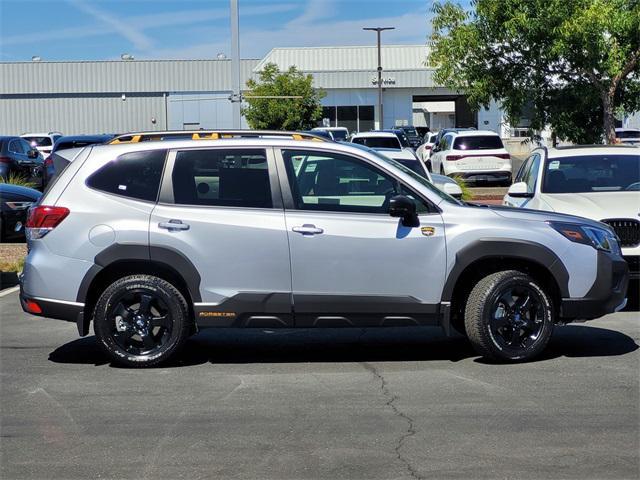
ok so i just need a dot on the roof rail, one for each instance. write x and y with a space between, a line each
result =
136 137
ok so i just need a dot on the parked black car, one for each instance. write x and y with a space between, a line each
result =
67 142
404 140
14 205
415 140
18 158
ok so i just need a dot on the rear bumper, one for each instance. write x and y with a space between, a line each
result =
51 308
607 295
482 177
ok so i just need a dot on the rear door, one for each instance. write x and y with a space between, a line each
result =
352 264
221 209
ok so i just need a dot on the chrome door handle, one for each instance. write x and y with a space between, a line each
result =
308 229
174 225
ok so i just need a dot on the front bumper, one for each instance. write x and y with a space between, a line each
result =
607 295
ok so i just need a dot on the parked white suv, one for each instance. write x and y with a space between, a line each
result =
476 155
154 240
598 182
42 141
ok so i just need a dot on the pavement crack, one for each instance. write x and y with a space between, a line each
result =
410 430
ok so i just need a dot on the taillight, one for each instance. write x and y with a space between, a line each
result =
454 157
5 160
428 147
42 219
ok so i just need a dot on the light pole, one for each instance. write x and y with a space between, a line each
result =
380 113
236 99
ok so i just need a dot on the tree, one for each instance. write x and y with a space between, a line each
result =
573 63
300 113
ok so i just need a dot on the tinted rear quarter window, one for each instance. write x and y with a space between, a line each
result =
134 175
478 142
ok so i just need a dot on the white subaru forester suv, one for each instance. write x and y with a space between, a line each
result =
152 241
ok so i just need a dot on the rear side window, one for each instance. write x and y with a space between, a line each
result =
478 142
222 177
134 175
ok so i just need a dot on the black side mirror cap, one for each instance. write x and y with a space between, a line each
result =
404 207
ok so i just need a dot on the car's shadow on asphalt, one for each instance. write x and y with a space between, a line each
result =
227 346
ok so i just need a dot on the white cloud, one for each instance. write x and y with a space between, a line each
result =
142 22
314 27
132 33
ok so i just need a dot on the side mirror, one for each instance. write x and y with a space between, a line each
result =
403 207
519 190
33 153
452 189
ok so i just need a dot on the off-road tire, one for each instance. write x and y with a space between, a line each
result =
478 315
181 323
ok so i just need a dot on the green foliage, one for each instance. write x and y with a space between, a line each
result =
467 194
282 113
16 179
575 62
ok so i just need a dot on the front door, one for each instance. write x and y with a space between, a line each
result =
221 209
351 263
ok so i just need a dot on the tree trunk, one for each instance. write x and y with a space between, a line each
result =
608 120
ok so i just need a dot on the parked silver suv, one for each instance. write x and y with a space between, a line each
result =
155 240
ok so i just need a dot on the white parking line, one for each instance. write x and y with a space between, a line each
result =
7 291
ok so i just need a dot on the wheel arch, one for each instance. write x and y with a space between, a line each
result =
119 261
486 256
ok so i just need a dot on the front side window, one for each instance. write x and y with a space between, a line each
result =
222 177
134 175
334 182
532 174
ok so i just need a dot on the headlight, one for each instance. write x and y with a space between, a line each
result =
599 238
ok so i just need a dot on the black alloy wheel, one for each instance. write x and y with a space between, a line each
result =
141 320
509 316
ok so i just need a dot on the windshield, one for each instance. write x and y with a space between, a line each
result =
38 141
419 178
379 142
592 173
339 134
478 142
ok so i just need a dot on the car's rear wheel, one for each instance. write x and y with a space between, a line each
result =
141 320
509 317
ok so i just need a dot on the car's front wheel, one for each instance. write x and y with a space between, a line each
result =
141 320
509 317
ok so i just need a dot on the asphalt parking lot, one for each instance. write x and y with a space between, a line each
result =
352 404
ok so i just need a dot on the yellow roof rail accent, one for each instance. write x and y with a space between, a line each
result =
211 135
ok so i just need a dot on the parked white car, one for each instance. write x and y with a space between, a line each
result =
599 182
424 150
629 136
42 141
475 155
406 157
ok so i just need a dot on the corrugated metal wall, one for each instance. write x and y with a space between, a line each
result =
119 77
71 114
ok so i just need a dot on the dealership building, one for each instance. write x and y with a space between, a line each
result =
127 95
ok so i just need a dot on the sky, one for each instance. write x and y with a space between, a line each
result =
196 29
